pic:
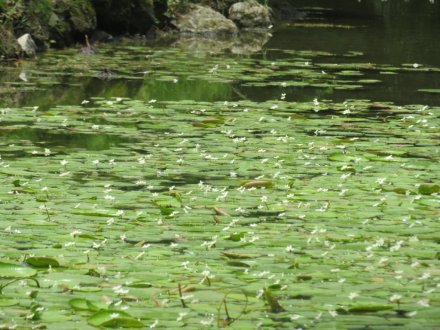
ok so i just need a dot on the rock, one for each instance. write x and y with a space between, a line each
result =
203 20
8 43
245 43
71 20
27 44
82 16
250 14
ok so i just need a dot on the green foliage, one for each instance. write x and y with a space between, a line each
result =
174 7
43 8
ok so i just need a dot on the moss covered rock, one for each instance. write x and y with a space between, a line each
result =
8 44
70 20
204 20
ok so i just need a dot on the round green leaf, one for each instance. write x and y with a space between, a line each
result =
114 319
15 271
42 262
81 304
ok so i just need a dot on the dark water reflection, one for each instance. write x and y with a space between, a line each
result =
386 32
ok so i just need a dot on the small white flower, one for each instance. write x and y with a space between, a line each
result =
289 248
295 317
395 297
423 303
109 197
333 313
181 316
353 295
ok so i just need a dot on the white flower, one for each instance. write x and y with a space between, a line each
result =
423 303
333 313
395 297
109 197
295 317
381 180
353 295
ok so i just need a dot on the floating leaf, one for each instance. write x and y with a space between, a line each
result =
114 319
220 212
430 90
341 157
369 308
42 262
429 189
236 263
15 271
140 284
236 237
81 304
232 255
257 184
7 302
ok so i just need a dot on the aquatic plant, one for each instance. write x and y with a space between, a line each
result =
158 210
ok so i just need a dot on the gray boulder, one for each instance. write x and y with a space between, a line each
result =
250 14
27 44
204 20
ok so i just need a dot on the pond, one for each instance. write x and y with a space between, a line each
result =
288 180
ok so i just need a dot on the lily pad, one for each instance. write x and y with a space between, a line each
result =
114 319
429 189
15 271
82 304
42 262
257 184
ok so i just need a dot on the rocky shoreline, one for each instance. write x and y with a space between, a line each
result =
29 27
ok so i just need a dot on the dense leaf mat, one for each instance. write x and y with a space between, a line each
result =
122 212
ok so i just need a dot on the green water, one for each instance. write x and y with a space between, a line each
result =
295 186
